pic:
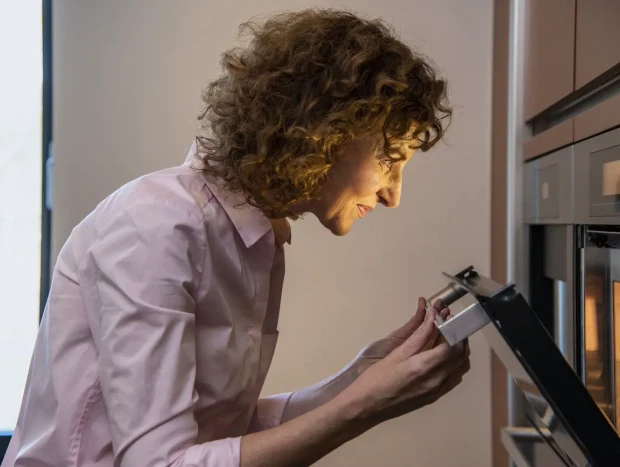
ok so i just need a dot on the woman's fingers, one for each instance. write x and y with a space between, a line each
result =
409 378
446 376
457 374
445 315
407 329
414 322
433 338
424 333
438 305
432 342
452 381
438 357
445 369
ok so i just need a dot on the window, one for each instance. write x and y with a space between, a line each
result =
25 129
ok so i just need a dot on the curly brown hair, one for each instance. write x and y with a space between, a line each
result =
308 83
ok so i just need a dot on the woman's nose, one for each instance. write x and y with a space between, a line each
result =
390 196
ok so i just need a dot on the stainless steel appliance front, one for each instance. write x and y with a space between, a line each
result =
572 213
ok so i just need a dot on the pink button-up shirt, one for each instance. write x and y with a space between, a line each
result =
158 332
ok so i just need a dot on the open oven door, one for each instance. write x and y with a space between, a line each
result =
566 421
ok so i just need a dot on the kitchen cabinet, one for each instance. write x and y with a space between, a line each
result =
554 138
598 119
597 47
549 53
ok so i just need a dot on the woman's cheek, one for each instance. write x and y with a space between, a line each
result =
369 184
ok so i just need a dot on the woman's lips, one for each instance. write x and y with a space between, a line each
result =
363 210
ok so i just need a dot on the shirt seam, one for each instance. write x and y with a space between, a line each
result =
93 392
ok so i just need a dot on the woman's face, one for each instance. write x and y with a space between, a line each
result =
362 178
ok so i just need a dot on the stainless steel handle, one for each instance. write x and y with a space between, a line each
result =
562 321
559 310
464 324
527 434
448 295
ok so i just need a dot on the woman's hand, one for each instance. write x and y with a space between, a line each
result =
380 349
409 368
416 369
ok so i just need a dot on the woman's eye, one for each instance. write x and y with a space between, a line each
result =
388 163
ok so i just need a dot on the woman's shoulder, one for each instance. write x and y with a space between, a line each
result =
162 212
178 188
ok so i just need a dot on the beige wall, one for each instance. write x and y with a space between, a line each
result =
127 80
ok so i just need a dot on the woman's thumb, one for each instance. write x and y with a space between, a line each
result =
412 324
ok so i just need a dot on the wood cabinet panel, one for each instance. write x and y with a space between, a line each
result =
597 47
554 138
604 116
549 53
499 136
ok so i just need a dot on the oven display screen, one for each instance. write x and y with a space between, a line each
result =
611 178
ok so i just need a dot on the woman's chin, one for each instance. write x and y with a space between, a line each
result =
338 227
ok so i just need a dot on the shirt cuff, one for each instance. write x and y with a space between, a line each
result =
269 412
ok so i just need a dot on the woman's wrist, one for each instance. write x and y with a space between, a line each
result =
314 396
353 413
310 436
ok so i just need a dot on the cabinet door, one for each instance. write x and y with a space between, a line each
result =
549 53
598 38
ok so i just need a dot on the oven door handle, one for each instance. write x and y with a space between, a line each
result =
564 326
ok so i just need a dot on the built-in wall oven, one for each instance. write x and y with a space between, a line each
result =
572 216
559 337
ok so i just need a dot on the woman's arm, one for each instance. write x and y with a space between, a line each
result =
145 267
305 439
279 408
319 394
410 377
284 407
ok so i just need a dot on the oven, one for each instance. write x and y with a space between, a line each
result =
572 217
560 341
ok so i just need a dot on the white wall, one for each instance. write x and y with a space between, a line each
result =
128 76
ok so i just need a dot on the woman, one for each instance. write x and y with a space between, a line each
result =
162 317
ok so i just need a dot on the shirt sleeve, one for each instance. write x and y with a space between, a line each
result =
269 412
148 263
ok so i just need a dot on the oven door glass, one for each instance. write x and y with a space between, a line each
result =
601 321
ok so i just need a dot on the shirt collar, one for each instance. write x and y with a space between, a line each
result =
249 221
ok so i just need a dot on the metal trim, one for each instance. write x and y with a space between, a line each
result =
514 209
